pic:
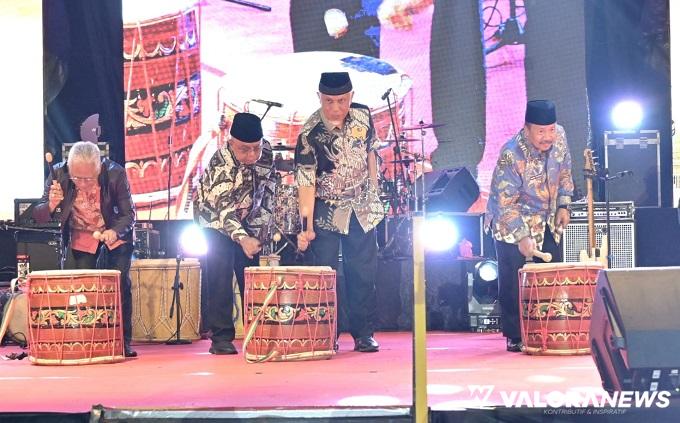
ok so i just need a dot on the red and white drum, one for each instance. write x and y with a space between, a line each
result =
162 71
556 303
290 313
74 317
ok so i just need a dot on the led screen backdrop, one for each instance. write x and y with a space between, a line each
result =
190 66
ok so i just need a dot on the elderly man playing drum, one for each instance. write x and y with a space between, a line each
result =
91 198
233 203
528 204
336 174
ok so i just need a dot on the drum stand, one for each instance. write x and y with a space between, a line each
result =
176 306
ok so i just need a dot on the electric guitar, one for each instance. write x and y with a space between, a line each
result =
592 253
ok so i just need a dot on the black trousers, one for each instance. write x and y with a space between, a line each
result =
118 259
224 259
360 266
510 260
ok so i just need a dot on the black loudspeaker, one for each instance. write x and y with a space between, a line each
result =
450 190
635 329
42 248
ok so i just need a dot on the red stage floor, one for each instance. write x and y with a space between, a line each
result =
188 376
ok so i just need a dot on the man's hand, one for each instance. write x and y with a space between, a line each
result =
304 239
562 219
527 246
109 236
56 195
250 245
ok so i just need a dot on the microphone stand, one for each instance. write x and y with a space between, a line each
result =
605 179
167 215
176 306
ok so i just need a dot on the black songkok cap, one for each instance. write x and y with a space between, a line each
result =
335 83
540 112
246 127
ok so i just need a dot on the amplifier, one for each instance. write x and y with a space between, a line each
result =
23 214
618 210
621 242
147 243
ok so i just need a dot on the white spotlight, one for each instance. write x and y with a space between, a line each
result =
440 234
627 115
487 270
192 241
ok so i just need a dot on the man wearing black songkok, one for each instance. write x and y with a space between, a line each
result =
233 203
336 175
528 204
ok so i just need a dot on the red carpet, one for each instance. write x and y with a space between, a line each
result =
188 376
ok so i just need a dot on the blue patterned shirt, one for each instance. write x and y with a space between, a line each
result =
527 188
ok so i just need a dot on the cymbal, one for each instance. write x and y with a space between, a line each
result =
404 161
283 148
424 126
405 140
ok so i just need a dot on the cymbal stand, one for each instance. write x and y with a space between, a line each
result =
400 174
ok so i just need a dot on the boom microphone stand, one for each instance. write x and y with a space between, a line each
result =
605 177
176 306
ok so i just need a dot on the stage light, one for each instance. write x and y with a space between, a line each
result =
487 270
627 115
192 241
439 234
485 282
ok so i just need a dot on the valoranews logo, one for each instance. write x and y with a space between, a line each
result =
481 395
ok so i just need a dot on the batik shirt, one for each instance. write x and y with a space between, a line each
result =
335 162
527 188
234 198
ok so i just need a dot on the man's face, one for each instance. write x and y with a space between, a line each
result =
84 175
336 107
541 137
247 153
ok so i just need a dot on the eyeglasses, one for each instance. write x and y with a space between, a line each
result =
77 179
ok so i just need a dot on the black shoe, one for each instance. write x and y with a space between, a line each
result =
366 344
129 352
222 348
513 344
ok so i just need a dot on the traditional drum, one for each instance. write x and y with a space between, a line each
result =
152 283
74 317
290 313
162 71
556 301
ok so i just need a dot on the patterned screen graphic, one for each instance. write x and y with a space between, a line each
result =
189 66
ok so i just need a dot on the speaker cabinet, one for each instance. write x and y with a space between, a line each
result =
450 190
637 152
635 329
621 242
42 248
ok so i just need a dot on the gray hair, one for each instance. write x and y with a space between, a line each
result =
84 152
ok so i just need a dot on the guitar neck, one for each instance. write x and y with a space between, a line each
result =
591 217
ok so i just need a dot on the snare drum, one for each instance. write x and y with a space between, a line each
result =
162 77
290 313
152 282
74 317
556 301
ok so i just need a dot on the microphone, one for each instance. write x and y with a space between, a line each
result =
625 173
304 223
268 103
384 96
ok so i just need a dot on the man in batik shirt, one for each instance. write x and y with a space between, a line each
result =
233 203
528 204
336 174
